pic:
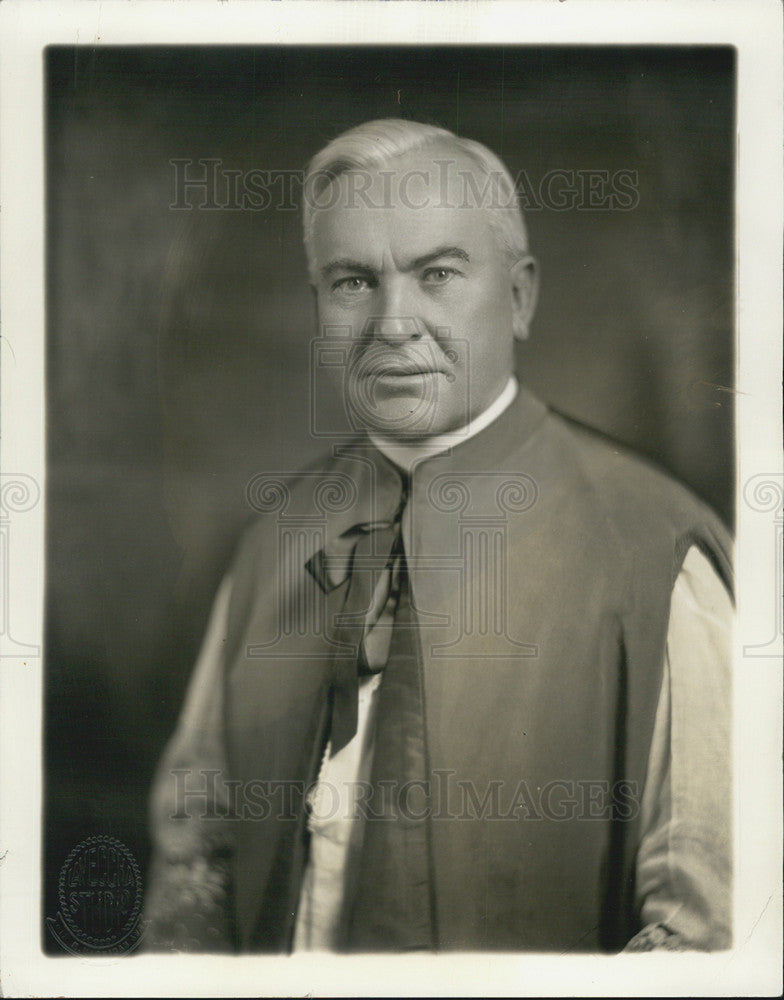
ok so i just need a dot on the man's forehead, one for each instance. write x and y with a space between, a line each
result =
369 236
421 199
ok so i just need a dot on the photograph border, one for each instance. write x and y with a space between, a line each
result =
752 966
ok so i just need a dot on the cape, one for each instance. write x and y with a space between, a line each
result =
541 558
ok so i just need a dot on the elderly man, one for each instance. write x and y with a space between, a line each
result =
466 683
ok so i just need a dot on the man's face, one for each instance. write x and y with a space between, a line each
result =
410 270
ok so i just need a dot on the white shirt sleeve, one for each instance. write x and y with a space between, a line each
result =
684 863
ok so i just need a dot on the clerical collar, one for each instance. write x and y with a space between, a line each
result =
407 455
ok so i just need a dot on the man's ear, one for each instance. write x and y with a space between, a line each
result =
525 289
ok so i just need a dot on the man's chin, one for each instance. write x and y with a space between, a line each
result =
402 419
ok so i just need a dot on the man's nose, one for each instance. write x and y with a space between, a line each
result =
393 329
394 322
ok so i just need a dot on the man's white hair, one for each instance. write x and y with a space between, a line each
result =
373 144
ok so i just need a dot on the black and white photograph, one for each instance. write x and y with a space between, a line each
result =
397 468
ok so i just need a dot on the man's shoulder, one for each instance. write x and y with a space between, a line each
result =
636 513
616 474
626 498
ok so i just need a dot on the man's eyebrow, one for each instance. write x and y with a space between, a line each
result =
346 264
456 253
357 266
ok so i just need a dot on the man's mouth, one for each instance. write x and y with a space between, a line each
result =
416 369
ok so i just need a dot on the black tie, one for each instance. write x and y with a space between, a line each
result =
378 545
393 908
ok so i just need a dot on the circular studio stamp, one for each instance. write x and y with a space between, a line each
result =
100 896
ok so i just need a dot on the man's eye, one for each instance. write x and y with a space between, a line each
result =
351 284
438 275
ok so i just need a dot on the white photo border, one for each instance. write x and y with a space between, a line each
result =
753 966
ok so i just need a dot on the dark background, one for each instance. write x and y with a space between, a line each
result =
178 342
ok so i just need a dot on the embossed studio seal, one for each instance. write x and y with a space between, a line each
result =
100 894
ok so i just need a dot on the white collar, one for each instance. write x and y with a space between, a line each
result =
407 455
